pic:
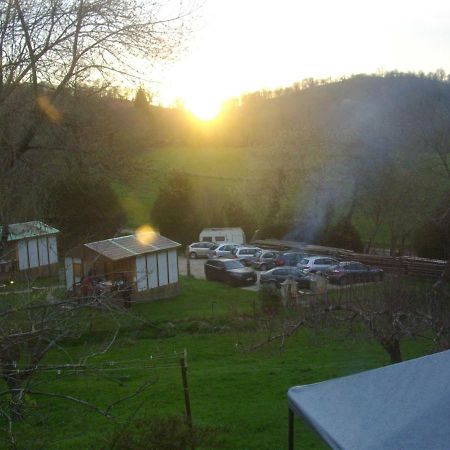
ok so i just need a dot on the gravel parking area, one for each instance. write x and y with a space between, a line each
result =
198 271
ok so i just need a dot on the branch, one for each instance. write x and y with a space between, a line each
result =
281 336
88 405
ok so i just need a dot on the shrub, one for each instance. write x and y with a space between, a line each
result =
342 235
167 433
270 298
432 240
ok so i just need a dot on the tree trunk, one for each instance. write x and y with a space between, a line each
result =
392 347
393 246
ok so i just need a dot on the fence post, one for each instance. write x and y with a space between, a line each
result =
187 401
188 263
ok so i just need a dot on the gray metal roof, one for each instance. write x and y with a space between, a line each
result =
129 246
28 230
401 406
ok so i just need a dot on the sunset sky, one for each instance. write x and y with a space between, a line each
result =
245 45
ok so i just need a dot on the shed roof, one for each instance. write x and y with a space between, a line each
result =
28 230
129 246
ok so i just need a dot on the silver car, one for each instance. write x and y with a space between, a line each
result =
316 263
222 250
247 255
199 249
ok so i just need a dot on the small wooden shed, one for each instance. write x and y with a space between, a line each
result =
28 248
149 263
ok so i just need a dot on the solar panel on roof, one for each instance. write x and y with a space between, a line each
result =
128 246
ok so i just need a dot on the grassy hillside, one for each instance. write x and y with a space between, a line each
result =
240 395
209 166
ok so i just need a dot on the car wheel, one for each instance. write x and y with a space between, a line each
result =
263 267
192 255
343 281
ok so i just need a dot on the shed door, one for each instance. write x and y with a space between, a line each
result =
33 253
23 255
163 275
173 266
52 250
141 273
152 271
43 251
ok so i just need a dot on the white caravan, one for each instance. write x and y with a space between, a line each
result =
219 235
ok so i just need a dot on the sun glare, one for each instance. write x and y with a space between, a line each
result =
204 108
145 234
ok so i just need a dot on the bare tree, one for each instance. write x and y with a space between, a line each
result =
386 313
31 328
51 47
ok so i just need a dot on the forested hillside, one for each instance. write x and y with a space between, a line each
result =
360 162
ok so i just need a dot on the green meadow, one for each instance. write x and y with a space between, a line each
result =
240 396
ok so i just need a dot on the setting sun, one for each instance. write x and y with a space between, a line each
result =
203 108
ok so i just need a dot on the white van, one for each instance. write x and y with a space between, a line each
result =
220 235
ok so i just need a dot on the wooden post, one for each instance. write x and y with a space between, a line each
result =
290 430
188 263
187 401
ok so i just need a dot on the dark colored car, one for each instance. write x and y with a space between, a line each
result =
289 259
266 260
353 272
279 274
229 271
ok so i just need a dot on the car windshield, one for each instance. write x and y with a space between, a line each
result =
304 261
233 265
213 247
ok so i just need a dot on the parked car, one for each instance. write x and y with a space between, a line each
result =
353 272
289 258
247 255
316 263
199 249
221 250
266 260
229 271
277 275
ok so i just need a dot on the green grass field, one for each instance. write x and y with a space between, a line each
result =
241 395
207 166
